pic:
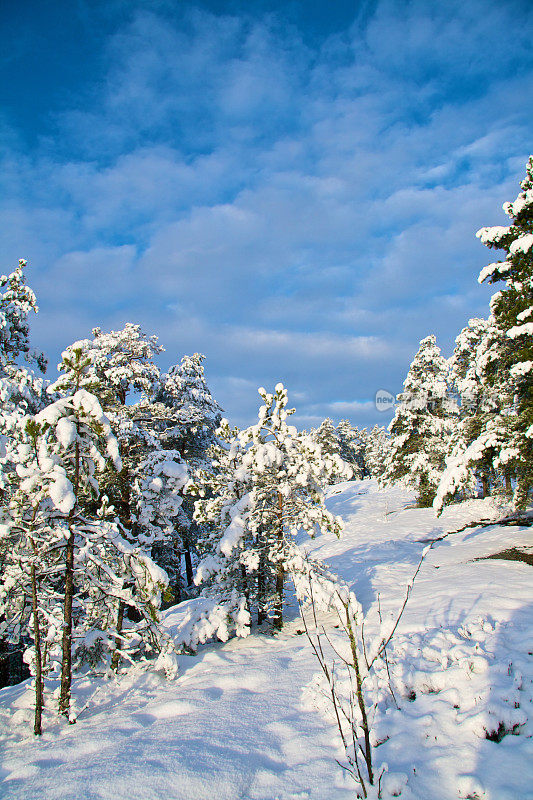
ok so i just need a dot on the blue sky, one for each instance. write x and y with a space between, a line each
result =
292 189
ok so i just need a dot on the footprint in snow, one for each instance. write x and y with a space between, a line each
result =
214 693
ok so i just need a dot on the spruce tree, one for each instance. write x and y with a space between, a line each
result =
421 425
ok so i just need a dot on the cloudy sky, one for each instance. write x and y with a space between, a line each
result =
291 188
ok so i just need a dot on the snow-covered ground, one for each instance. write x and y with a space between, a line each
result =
236 723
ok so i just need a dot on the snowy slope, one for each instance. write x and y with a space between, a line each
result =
235 724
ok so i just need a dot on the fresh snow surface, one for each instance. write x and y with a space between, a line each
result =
240 720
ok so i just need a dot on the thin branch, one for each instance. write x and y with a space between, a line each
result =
386 657
410 585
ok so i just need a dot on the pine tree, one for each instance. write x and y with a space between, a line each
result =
497 439
57 455
352 447
421 424
267 485
55 459
82 570
17 300
512 309
376 454
115 364
326 438
476 446
185 417
192 413
20 391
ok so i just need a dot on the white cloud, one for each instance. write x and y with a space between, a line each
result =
298 214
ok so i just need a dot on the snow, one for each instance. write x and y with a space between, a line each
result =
522 368
61 491
490 269
493 234
527 312
523 200
522 244
173 469
521 330
65 432
237 723
235 530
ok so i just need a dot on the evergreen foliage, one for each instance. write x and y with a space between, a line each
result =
421 424
81 569
495 358
265 487
326 436
512 309
376 451
352 447
20 391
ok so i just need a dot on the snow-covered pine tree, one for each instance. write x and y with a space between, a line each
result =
185 416
231 572
29 560
17 301
124 362
69 549
157 496
421 425
20 391
512 309
267 486
56 459
476 449
377 444
115 365
194 413
352 447
326 438
147 491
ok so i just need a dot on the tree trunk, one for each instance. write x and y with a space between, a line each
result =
367 750
177 586
261 613
523 490
37 728
280 572
189 572
485 485
115 660
125 498
245 586
66 644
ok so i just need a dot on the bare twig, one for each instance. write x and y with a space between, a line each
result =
385 657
